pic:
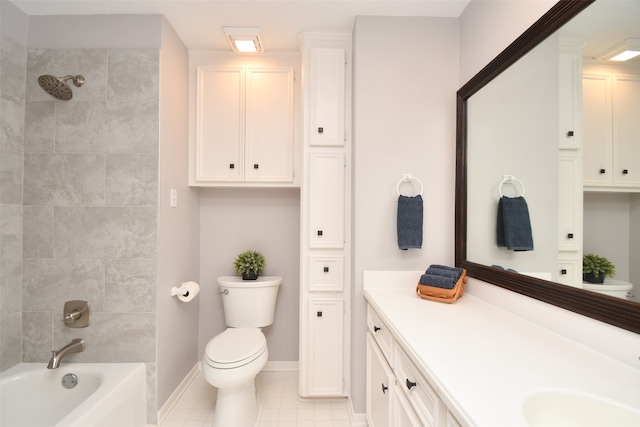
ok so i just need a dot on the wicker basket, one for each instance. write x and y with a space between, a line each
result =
449 296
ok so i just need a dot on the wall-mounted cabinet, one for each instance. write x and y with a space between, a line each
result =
243 123
611 129
325 216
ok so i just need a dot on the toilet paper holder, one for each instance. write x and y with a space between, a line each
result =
179 291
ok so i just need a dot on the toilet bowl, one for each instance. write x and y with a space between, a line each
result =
612 287
233 358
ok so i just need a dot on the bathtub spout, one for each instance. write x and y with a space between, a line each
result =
75 346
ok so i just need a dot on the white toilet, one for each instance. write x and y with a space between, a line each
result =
612 287
233 358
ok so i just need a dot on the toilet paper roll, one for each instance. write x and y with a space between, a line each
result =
192 288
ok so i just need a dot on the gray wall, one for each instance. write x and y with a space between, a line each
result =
404 122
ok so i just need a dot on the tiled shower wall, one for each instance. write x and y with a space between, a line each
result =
90 206
12 99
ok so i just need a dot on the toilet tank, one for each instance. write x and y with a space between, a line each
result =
249 303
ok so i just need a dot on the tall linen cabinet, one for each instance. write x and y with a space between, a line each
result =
325 215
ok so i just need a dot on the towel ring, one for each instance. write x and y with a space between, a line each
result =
407 178
510 179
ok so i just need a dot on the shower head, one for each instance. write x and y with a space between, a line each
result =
58 87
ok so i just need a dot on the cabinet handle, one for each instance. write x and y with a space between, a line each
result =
318 314
563 271
602 171
384 388
326 269
410 384
319 232
231 166
376 328
625 171
570 133
570 236
320 130
256 166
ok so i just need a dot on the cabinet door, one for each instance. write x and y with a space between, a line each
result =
597 140
326 273
380 386
326 200
327 76
325 338
626 130
403 413
219 124
269 125
570 202
569 92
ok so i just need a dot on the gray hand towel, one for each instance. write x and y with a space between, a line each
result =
437 281
513 227
409 222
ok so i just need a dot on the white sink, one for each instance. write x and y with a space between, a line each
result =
567 409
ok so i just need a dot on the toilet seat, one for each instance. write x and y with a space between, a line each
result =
235 347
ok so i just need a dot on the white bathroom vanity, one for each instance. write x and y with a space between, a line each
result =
472 363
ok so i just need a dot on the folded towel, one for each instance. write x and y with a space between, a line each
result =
452 273
513 227
409 222
437 281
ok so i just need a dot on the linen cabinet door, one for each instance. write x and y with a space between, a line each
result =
626 131
380 386
326 200
269 125
327 96
325 346
219 153
597 138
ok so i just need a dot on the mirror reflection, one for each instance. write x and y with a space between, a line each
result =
569 137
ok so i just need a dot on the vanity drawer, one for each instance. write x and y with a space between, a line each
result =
419 392
381 333
326 273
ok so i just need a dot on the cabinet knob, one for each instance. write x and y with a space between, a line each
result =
231 166
319 232
570 133
320 129
376 328
625 171
563 271
384 388
318 314
602 171
410 384
326 269
256 166
570 236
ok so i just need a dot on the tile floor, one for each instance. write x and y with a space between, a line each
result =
278 405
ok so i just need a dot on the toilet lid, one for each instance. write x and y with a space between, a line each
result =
235 347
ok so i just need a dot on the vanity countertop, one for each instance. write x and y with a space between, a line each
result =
484 362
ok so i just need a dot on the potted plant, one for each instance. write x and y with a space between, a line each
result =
249 264
595 268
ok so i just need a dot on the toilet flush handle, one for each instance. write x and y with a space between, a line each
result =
224 291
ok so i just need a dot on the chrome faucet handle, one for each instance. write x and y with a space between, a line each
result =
76 314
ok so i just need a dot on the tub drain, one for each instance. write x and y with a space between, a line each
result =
69 381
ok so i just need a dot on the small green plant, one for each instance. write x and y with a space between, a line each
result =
598 266
249 263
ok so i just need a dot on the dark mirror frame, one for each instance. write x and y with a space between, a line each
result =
611 310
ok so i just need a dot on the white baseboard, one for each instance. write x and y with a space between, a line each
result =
281 366
178 392
357 419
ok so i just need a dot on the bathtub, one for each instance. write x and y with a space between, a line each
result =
106 395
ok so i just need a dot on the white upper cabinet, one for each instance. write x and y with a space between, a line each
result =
327 97
611 129
244 126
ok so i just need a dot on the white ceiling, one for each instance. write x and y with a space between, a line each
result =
199 22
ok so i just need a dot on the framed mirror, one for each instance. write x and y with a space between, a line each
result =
615 311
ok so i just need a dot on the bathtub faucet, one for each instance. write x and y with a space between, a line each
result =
75 346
